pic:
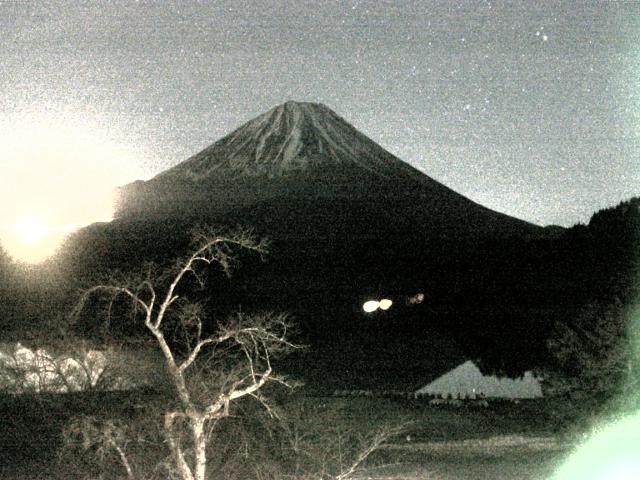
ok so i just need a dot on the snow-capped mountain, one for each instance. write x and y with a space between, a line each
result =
302 164
292 137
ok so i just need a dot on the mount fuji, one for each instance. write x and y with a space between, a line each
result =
302 169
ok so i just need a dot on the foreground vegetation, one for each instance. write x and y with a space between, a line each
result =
215 411
518 439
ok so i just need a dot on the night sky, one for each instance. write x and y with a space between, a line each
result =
529 108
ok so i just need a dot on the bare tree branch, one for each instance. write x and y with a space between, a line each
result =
254 338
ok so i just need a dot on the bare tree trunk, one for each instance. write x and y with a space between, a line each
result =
199 446
176 449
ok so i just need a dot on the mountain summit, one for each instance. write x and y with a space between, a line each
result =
292 137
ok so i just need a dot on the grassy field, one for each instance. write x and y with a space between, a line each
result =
501 457
504 441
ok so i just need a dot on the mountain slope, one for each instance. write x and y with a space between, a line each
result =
305 156
293 137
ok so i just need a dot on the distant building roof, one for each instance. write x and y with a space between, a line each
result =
467 381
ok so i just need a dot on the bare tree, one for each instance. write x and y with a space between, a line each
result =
336 441
208 371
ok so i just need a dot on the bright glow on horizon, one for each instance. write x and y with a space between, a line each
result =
33 240
57 176
30 230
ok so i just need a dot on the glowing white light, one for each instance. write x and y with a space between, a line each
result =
31 230
58 173
628 470
612 453
385 304
370 306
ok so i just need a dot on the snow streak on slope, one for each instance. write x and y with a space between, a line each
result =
292 137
